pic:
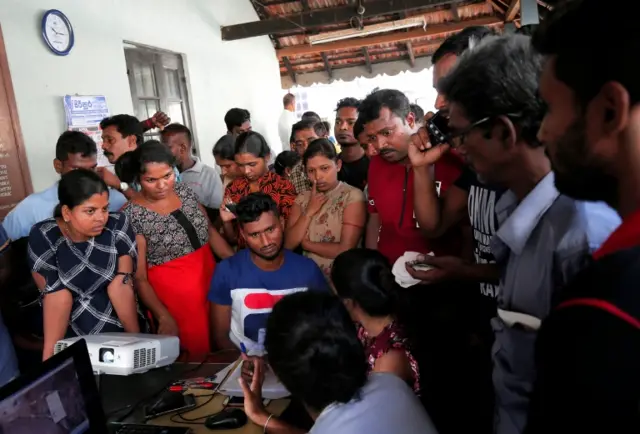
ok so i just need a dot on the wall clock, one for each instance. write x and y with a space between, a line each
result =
57 32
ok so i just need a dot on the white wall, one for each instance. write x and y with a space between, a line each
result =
221 75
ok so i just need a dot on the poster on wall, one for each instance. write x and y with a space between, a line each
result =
84 113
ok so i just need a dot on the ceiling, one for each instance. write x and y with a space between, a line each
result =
289 23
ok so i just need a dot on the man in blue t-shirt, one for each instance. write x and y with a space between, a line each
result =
246 286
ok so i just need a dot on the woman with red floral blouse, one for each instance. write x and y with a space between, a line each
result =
362 278
252 155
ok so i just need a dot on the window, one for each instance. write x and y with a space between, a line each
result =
302 104
158 83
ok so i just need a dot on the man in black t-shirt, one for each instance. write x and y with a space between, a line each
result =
468 197
355 163
481 202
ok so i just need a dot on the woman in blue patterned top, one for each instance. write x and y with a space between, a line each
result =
82 260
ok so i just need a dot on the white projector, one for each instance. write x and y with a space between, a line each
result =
127 353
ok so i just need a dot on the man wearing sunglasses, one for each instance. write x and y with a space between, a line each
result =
543 238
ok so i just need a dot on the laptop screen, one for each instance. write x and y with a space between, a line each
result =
52 403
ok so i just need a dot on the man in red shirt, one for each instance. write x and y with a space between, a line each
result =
588 348
392 228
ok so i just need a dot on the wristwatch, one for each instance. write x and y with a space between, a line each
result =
124 187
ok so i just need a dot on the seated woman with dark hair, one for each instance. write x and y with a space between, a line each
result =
330 218
175 242
363 280
315 352
82 261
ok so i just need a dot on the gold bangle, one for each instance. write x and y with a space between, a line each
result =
266 424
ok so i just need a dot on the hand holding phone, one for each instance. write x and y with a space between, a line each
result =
228 211
428 145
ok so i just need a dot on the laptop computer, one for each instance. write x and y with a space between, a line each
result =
61 396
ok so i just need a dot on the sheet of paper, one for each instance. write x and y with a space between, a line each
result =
271 388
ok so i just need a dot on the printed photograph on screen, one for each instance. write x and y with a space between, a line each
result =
51 405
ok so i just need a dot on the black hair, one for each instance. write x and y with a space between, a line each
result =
358 128
569 32
311 116
314 349
417 112
322 147
460 42
252 206
364 276
302 125
288 99
251 142
176 129
77 186
74 142
322 128
499 77
392 99
285 159
225 147
126 125
348 102
131 165
236 117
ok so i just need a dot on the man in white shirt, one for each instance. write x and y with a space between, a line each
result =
287 119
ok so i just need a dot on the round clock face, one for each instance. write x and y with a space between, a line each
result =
57 32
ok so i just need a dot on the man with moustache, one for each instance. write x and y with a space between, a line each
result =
588 349
392 228
355 163
246 286
122 134
544 238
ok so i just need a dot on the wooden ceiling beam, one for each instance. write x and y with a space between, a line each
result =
512 11
454 10
321 17
389 38
496 7
367 59
290 70
412 57
327 65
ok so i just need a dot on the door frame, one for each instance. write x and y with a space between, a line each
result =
7 83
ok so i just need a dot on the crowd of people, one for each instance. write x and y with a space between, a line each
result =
485 284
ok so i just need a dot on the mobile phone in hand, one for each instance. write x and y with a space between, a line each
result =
231 207
417 266
438 129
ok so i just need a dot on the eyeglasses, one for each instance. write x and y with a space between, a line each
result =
456 139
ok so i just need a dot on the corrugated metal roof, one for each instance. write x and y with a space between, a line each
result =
465 11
